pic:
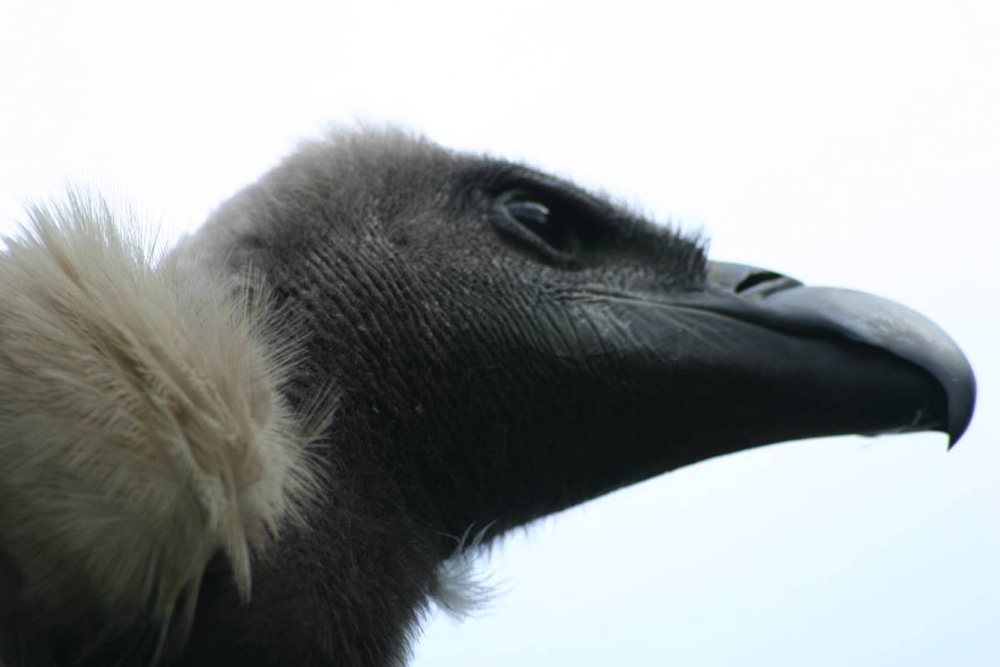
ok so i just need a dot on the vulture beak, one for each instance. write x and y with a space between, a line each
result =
785 305
776 360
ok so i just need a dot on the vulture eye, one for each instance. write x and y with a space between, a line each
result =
541 225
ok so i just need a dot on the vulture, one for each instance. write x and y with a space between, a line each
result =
274 443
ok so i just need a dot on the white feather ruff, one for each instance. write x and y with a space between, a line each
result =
142 429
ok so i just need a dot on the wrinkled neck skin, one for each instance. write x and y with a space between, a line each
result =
403 480
406 480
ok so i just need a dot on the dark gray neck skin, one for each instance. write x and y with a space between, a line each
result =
484 379
454 406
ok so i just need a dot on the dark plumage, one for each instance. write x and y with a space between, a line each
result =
482 345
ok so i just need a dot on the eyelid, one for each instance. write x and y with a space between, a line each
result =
534 210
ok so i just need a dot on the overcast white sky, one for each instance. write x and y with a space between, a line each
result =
857 144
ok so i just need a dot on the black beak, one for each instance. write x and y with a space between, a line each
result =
753 357
785 305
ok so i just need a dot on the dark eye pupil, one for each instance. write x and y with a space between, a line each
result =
541 221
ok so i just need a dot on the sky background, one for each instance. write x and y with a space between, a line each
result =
851 143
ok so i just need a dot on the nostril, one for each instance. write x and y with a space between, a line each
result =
757 278
747 281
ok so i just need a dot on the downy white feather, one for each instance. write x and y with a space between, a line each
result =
142 428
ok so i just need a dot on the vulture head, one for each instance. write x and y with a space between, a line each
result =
260 448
